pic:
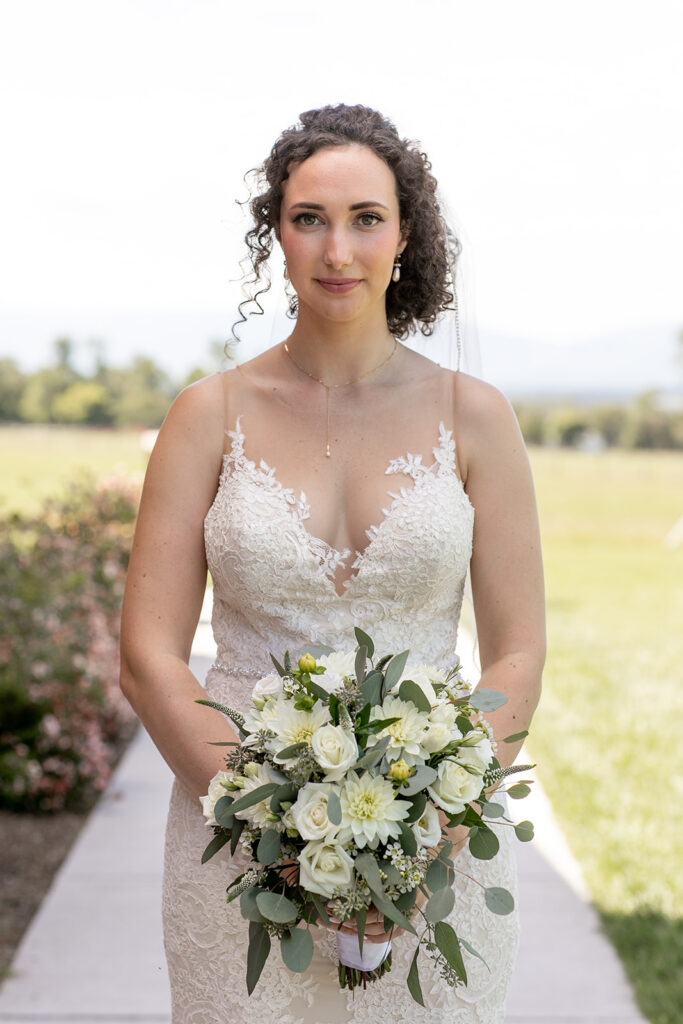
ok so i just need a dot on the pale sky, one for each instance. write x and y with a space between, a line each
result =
554 130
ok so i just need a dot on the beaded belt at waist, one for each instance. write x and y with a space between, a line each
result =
235 670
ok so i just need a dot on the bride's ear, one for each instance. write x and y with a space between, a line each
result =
405 234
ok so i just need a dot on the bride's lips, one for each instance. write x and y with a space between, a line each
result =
338 285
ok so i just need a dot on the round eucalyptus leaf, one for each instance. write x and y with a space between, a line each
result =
276 907
334 811
439 905
268 847
524 831
519 790
297 949
483 844
499 901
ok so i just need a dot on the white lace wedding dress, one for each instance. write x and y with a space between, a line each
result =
274 589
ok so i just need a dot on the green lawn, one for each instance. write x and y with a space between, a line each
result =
608 732
607 736
39 461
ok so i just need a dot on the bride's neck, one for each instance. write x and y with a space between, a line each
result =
335 352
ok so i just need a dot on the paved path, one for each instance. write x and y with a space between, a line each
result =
93 954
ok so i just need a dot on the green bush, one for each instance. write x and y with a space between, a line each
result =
63 717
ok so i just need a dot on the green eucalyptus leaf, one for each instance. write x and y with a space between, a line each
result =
419 802
333 705
371 690
361 917
487 700
216 844
390 910
413 979
254 797
406 901
439 905
422 777
499 901
257 954
437 875
288 791
320 907
248 906
483 843
392 873
473 951
364 640
378 724
524 830
365 865
297 949
374 754
394 670
291 751
268 848
493 810
360 663
236 830
410 691
519 790
448 943
516 737
334 811
407 839
276 907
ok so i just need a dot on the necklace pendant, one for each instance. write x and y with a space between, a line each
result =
328 453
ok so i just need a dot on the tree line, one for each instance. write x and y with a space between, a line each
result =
136 395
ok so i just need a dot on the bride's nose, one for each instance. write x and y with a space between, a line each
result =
338 252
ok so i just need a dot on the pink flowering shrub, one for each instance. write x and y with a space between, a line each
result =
63 718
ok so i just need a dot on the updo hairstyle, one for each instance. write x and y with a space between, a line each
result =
428 260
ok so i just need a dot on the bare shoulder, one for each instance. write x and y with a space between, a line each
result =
485 423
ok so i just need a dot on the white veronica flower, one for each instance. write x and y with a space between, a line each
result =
309 813
324 866
257 814
405 734
370 812
428 829
217 789
335 750
454 786
337 665
292 726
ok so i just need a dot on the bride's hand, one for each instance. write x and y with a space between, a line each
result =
374 923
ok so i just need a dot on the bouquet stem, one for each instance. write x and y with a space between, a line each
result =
356 968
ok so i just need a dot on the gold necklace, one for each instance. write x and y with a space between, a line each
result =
333 387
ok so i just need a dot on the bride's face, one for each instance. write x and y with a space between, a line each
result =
340 231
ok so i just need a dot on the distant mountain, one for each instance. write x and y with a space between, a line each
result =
616 366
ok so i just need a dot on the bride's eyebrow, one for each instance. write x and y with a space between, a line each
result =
355 206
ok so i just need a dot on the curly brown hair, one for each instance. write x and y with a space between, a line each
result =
428 261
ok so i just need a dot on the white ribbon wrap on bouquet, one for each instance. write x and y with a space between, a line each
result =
349 952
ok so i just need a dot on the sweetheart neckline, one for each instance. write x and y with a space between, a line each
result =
329 557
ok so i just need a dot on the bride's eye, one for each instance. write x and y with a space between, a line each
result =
368 220
307 220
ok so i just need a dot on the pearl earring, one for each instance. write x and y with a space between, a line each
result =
396 272
285 272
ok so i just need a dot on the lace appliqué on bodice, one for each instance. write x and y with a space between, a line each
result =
274 581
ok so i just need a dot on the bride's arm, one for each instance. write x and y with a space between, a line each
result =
506 566
165 587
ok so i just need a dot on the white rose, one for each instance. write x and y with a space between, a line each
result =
437 736
454 786
310 812
446 713
428 829
335 750
269 686
217 789
337 665
324 866
478 755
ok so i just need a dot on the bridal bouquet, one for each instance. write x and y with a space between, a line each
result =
335 790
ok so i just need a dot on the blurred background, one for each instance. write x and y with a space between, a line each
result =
554 131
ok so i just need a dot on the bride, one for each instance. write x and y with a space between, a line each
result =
339 478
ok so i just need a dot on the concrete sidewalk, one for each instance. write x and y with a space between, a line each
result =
94 955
